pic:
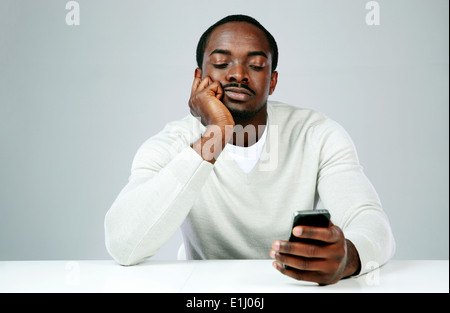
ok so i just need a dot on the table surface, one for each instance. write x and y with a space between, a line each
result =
225 276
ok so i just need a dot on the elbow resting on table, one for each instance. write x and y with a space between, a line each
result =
116 251
119 244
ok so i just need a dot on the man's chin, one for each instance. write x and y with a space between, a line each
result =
240 112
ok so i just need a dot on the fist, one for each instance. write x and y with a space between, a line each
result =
205 103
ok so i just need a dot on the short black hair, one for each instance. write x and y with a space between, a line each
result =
201 46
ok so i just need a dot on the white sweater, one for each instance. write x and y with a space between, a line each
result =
225 213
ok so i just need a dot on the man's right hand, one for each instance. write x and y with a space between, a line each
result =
205 103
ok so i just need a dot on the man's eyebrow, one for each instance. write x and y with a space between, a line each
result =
253 53
250 54
221 51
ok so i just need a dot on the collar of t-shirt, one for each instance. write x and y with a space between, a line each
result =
247 157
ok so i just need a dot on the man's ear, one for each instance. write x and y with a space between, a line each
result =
273 81
198 73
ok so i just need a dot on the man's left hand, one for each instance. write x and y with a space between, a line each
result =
325 264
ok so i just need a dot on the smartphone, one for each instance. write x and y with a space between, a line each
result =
317 218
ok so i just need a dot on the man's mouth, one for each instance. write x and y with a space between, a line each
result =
238 93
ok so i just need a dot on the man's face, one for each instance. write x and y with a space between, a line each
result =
238 56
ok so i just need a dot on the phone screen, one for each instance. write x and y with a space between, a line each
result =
317 218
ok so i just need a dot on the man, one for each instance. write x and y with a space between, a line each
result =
232 173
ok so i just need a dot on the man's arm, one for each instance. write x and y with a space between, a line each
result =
356 207
205 104
167 178
361 233
162 188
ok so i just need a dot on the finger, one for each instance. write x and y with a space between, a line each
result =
204 83
195 84
216 88
300 249
219 91
298 274
331 234
301 263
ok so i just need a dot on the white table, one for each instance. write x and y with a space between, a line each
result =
224 276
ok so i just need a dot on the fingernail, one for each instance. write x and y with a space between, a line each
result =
276 245
298 231
276 265
272 254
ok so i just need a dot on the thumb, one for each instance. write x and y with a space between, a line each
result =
216 90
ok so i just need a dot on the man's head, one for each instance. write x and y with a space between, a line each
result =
242 55
201 46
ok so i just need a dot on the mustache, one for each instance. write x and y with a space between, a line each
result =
239 86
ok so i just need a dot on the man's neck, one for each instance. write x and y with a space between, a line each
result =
247 131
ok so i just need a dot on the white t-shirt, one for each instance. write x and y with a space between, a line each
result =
247 157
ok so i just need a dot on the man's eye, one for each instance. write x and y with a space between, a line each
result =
257 68
219 66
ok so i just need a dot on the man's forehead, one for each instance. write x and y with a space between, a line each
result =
236 35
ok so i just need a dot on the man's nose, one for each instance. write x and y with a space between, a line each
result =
238 73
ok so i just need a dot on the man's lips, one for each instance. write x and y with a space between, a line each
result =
238 94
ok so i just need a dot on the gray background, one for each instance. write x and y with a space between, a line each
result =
76 102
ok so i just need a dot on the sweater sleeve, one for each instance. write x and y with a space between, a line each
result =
166 177
353 202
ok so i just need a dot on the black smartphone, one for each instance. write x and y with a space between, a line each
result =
317 218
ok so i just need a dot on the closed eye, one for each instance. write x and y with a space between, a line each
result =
257 68
220 66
